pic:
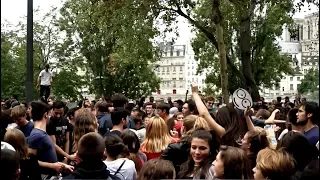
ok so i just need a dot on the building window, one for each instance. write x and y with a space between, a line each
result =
181 69
168 69
174 69
298 78
291 87
291 78
188 73
178 53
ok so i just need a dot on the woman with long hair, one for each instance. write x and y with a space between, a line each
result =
121 167
232 163
200 159
252 142
234 126
178 152
85 122
131 140
29 165
157 138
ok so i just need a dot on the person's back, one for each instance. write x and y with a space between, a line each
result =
122 168
9 162
177 153
105 123
104 117
30 169
29 165
91 149
40 141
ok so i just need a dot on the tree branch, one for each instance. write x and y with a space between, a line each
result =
209 35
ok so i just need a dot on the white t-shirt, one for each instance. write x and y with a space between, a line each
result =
285 132
141 133
45 78
127 171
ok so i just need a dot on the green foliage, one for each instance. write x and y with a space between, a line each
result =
112 39
269 66
310 82
46 45
250 32
13 63
64 83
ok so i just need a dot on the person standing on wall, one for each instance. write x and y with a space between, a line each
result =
45 81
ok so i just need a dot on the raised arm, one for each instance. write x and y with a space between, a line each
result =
203 111
248 119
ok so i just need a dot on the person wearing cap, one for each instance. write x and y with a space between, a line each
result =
173 111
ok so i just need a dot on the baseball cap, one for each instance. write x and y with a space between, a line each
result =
173 111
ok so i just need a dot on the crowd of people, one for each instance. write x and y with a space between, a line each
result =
195 139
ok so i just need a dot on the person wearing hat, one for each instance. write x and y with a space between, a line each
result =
173 111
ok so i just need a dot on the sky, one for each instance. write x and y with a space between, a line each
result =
13 10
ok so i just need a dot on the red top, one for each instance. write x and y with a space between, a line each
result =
154 155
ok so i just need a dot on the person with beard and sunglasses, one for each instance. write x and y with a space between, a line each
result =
308 116
59 130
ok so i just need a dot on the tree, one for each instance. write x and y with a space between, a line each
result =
13 62
46 44
310 82
251 30
113 39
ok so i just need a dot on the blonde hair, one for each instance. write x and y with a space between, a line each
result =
18 112
275 164
194 122
16 138
157 136
85 122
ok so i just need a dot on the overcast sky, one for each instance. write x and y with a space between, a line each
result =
13 10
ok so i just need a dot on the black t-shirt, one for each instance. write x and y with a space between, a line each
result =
114 132
59 129
71 138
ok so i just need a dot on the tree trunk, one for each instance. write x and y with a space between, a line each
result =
223 63
217 19
245 50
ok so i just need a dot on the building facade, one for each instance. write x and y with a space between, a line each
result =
303 49
176 69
